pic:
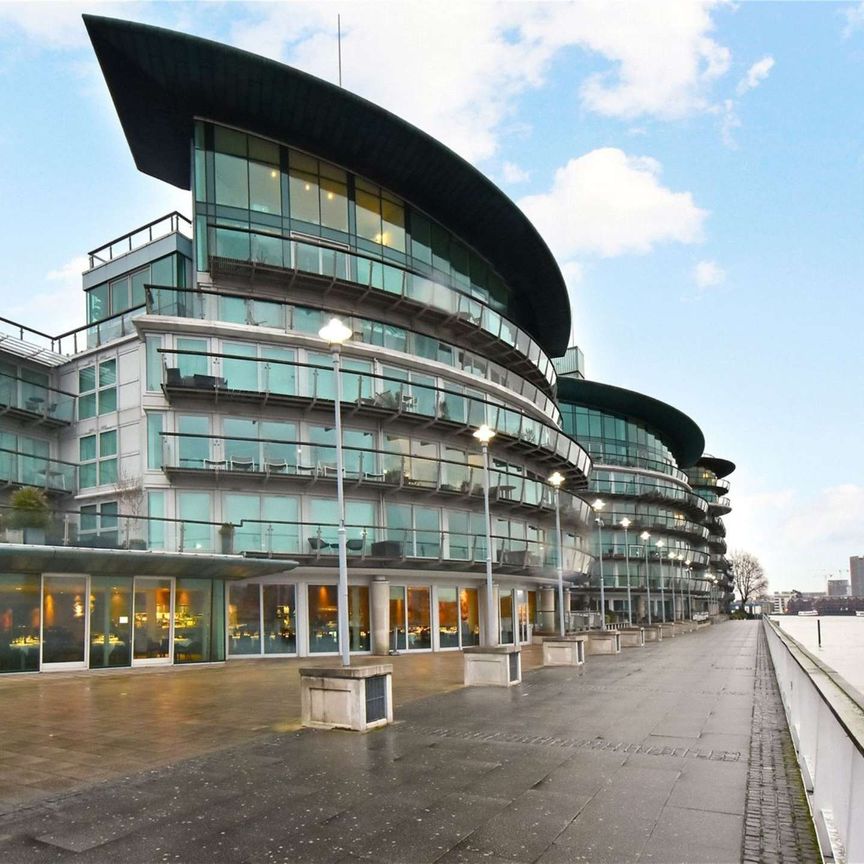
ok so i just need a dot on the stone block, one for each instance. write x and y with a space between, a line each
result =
492 666
564 651
604 642
632 637
347 697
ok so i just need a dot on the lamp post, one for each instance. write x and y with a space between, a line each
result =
645 537
625 524
673 557
336 333
710 576
598 506
689 589
484 435
555 481
660 545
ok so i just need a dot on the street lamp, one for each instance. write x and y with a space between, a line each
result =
555 481
598 506
673 557
660 545
336 333
625 524
645 537
484 435
689 589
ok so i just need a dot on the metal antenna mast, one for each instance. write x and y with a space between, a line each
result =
339 42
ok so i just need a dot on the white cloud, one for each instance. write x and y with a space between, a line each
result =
608 203
708 274
729 122
514 174
854 16
756 74
462 66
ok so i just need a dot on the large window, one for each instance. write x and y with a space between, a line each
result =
97 459
110 621
262 523
99 525
20 617
97 389
458 617
323 619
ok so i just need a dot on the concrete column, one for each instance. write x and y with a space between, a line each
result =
641 608
379 599
489 633
547 610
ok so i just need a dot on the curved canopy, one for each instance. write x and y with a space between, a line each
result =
160 80
683 437
721 467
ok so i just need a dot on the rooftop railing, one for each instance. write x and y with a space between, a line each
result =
171 223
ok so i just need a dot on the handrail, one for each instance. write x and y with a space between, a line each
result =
509 420
519 385
174 220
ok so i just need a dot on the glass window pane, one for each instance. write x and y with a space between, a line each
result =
393 214
419 618
232 184
107 400
280 625
397 618
119 293
244 619
195 535
152 344
86 406
368 209
469 617
303 190
86 379
448 618
358 617
323 619
110 621
265 192
192 621
87 448
108 443
64 602
19 622
334 204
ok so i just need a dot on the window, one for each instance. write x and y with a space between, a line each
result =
155 428
98 459
99 520
97 389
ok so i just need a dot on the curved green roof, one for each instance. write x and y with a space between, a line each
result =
160 80
681 434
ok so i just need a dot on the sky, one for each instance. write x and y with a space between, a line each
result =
696 168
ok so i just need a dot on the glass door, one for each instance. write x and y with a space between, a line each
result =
64 622
523 617
154 621
505 600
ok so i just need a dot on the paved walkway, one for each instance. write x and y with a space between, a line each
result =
641 757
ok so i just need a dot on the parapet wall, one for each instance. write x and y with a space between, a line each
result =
826 720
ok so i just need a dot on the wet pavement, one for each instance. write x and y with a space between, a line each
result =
638 757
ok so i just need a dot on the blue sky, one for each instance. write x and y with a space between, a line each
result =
697 168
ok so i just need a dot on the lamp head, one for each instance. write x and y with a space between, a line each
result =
598 504
688 562
335 332
625 523
484 434
645 535
661 544
556 479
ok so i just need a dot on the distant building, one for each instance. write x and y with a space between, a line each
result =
856 575
838 587
780 601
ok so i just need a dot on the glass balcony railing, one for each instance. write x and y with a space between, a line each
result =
25 469
636 552
405 396
603 456
312 542
286 317
369 273
631 486
652 522
305 461
37 399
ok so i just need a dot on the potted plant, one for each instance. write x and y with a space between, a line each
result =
226 538
29 512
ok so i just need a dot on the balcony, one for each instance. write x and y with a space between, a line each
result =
29 401
648 490
25 469
348 278
721 506
455 410
172 223
309 543
301 464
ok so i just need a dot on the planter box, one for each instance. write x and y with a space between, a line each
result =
604 642
354 697
492 666
668 630
564 651
653 633
633 637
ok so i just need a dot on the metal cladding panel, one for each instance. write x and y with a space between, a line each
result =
161 80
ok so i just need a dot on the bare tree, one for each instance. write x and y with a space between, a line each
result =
749 577
130 500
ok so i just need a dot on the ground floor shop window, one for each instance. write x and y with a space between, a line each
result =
280 619
110 621
64 604
198 621
419 618
505 601
458 618
358 618
20 620
323 619
469 617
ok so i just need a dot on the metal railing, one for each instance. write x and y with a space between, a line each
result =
25 469
171 223
41 400
455 404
